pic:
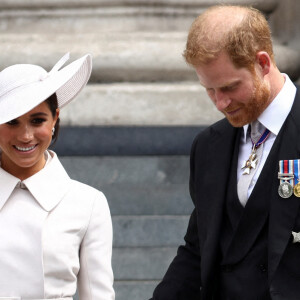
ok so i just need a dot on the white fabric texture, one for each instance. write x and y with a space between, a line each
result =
272 118
55 233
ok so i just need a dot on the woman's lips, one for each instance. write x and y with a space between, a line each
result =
25 149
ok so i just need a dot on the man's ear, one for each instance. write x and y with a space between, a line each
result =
263 62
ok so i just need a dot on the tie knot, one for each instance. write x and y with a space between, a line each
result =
256 130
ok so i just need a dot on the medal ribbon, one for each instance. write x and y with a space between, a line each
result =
296 171
262 139
289 167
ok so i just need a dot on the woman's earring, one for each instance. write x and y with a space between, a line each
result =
53 131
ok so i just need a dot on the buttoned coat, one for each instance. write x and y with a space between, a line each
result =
75 237
192 274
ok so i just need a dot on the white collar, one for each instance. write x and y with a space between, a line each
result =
277 111
48 186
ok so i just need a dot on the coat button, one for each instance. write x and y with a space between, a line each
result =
263 268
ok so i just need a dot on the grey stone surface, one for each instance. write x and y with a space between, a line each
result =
101 171
165 199
126 140
149 231
142 264
135 290
98 16
143 245
132 290
285 22
137 185
133 56
148 104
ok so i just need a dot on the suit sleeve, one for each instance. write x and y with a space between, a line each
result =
95 280
182 280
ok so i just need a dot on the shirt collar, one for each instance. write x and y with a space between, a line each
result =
48 186
277 111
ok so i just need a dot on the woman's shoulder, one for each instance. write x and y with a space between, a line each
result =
82 189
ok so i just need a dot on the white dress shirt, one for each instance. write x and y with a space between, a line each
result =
272 118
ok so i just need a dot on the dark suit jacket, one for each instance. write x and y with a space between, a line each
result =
192 273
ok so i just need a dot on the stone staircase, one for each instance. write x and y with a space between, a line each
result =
149 202
130 130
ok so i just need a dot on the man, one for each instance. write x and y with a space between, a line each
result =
239 241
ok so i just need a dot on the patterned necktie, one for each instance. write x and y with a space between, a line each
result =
253 162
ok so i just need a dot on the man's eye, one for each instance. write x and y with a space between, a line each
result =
38 121
210 91
229 88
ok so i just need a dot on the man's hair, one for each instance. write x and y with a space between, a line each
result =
239 31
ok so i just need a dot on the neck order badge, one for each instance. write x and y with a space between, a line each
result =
252 161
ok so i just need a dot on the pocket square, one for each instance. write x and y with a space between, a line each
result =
296 237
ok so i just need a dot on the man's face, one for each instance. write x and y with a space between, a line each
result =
239 94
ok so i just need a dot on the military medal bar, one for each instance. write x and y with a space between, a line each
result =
289 178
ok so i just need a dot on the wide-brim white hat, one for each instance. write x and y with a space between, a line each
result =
25 86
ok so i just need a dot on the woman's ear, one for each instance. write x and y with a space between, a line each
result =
56 116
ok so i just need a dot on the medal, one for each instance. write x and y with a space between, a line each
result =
297 190
285 190
252 161
288 176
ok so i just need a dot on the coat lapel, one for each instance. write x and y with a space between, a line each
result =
213 187
255 213
50 184
283 212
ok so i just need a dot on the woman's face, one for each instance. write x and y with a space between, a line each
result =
24 140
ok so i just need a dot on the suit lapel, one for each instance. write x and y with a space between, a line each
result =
283 212
213 186
255 213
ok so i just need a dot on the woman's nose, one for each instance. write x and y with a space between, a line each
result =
26 134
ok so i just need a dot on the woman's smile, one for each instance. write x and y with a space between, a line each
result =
27 149
23 141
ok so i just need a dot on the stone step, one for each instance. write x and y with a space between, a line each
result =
132 290
126 140
142 264
141 104
137 185
99 171
138 271
126 56
74 16
162 199
149 231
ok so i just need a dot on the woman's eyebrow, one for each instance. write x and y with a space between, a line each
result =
39 114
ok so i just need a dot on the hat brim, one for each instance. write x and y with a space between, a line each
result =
66 83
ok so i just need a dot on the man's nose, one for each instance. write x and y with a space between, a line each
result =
222 100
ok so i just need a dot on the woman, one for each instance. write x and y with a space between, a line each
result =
55 233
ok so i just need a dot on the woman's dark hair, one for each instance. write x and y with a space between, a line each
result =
53 105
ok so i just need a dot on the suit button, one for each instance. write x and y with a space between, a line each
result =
227 268
263 268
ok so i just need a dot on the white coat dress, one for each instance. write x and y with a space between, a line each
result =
55 237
